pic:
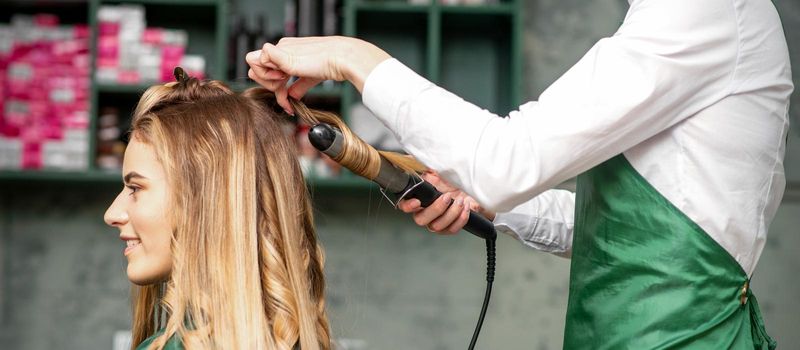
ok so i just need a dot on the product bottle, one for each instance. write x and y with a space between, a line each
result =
242 48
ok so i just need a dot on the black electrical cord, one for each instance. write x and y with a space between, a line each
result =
490 265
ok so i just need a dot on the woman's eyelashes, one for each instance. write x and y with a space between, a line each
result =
133 189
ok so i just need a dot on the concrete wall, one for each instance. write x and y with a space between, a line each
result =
391 285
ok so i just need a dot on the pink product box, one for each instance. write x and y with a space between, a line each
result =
77 118
107 51
45 20
81 31
66 49
31 155
125 76
153 36
108 28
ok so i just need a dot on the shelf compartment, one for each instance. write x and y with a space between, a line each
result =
199 20
476 59
68 12
403 35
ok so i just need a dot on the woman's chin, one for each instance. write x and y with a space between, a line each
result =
140 278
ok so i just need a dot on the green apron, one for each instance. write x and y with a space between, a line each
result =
172 344
645 276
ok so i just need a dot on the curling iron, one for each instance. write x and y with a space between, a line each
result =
330 141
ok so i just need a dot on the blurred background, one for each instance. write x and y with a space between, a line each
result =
72 70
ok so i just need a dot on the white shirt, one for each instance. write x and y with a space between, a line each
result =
694 93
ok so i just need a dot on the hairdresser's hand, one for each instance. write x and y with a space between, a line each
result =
442 216
312 59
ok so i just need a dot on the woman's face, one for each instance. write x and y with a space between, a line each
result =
140 214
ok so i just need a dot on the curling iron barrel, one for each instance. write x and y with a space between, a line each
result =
330 141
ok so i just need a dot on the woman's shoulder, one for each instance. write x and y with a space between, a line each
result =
173 343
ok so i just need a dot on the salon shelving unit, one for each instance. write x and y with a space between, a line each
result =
474 51
204 20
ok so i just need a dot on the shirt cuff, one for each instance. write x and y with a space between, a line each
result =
389 89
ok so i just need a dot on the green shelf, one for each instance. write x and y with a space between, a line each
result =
504 8
347 181
493 9
391 7
317 91
164 2
60 176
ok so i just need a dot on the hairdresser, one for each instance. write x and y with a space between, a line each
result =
675 128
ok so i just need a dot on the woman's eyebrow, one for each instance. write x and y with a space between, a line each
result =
132 175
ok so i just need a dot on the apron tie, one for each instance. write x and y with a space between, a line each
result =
760 336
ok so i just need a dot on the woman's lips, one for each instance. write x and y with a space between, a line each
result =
131 244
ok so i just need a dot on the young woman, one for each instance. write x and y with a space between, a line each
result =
218 225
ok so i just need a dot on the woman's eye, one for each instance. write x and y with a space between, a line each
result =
133 189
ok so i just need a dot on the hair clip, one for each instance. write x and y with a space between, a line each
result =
180 75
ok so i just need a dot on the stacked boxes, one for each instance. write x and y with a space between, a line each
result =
44 94
128 52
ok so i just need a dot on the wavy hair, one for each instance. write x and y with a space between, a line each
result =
247 269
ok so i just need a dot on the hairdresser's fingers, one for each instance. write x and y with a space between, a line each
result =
452 214
460 221
278 86
281 96
273 57
440 184
470 203
409 206
274 74
301 86
303 57
261 70
433 211
270 85
257 73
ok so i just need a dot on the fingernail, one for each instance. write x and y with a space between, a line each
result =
459 201
253 55
446 197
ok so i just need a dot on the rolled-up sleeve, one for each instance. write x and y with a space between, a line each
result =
544 223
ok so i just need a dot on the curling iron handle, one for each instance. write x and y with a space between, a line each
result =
476 224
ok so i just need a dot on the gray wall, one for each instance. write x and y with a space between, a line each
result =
391 285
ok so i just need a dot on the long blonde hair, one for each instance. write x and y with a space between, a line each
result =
247 269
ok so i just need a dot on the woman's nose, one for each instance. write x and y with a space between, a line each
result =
116 215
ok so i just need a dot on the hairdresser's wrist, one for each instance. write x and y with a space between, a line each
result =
360 60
